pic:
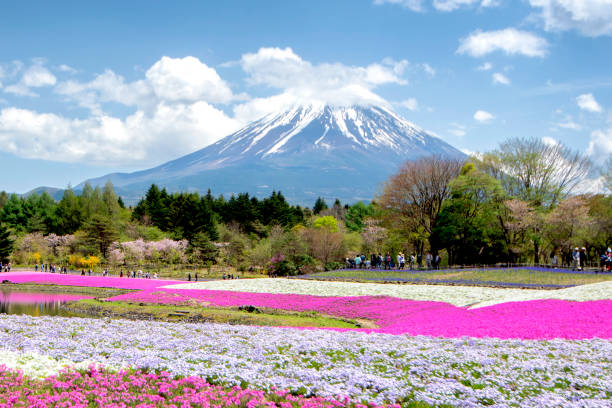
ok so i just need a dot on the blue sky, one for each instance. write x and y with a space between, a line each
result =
88 88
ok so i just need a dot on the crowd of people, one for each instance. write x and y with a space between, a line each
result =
387 261
50 268
5 267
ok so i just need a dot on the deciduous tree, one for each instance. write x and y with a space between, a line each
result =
414 195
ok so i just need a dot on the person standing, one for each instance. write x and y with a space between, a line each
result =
582 257
437 261
576 259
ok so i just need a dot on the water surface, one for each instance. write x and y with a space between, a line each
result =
35 303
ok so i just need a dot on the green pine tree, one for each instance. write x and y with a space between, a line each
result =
6 244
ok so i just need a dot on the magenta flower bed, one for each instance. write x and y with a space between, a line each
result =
537 319
91 281
99 388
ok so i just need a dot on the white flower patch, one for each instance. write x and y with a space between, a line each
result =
456 295
37 365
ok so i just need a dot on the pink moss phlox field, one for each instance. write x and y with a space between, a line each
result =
91 281
133 388
536 319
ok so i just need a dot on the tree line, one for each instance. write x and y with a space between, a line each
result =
521 203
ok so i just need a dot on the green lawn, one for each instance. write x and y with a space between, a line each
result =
486 277
99 293
186 313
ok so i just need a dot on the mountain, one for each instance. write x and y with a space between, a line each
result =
305 152
55 193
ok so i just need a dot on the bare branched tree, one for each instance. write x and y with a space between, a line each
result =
537 172
606 172
415 194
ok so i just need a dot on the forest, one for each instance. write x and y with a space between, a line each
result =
523 203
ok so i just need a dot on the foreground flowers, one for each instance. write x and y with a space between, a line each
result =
135 388
374 367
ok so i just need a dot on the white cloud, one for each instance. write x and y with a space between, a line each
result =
450 5
175 107
107 87
429 69
174 114
569 124
549 141
589 17
510 40
66 68
499 78
440 5
170 80
414 5
302 82
411 104
587 102
457 129
187 79
600 145
139 139
486 66
36 76
483 116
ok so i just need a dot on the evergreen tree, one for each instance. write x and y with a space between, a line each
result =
319 206
202 249
14 214
6 244
101 233
3 199
111 201
69 213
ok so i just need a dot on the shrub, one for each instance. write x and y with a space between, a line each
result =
331 266
305 264
285 268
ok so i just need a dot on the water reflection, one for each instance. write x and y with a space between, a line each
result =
35 304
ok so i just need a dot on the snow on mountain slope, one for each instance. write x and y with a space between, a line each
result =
312 150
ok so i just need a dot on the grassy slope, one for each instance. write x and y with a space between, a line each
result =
262 317
494 275
73 290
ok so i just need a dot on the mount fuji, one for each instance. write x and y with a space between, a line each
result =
305 152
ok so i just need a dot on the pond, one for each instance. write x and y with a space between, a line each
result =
35 304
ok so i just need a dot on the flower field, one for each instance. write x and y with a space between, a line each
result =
456 295
537 319
509 277
375 367
431 344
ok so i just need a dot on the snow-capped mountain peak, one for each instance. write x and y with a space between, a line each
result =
319 127
305 151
